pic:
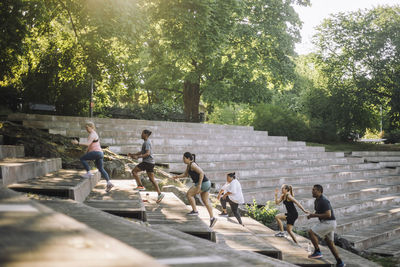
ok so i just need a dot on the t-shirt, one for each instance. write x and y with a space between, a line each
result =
321 205
95 142
235 189
147 146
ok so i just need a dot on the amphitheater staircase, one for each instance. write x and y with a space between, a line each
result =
365 193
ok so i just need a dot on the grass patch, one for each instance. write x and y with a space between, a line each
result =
356 146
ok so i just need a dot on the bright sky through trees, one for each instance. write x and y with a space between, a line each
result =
321 9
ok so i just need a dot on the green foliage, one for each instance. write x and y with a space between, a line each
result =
392 136
280 121
161 112
234 114
264 214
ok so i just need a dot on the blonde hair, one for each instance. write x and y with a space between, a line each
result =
289 188
91 125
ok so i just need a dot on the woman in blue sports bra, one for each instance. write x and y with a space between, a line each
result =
202 185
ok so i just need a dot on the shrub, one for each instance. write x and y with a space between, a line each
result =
264 214
279 121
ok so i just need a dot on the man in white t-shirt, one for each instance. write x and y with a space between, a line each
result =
231 192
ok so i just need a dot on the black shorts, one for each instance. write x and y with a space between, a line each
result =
291 218
145 166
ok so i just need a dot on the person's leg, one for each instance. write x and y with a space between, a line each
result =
99 165
135 173
223 204
84 158
332 248
190 195
235 210
204 198
279 218
314 239
289 228
154 182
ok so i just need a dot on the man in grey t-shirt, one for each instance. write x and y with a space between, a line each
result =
147 164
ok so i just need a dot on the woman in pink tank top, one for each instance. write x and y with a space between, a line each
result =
93 152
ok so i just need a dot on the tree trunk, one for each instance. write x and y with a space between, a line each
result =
191 100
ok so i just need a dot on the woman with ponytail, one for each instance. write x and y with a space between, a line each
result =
231 192
290 217
202 185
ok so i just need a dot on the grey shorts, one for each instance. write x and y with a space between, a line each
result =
205 186
325 229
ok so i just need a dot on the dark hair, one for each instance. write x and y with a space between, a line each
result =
190 156
232 175
319 188
289 188
147 132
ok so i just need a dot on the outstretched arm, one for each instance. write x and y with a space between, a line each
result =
291 198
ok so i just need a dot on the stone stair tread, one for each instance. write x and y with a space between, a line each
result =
389 248
310 184
371 231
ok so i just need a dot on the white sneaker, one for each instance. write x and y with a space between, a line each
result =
280 234
87 175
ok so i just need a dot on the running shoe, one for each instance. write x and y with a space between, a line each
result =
341 264
280 234
160 197
315 255
212 222
87 175
223 214
139 188
109 186
193 213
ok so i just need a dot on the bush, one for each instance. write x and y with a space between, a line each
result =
264 214
279 121
232 114
155 112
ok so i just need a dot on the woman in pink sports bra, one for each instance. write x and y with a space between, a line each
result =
93 152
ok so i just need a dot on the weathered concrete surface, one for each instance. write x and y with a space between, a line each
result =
63 183
11 151
34 235
121 200
15 170
258 238
168 246
171 212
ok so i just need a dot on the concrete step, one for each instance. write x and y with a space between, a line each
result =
61 126
257 164
370 236
200 142
388 248
335 181
383 159
14 170
63 184
375 153
32 234
166 133
7 151
344 191
367 218
273 172
243 156
390 164
343 207
167 245
174 153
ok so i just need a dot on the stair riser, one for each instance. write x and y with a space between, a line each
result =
384 237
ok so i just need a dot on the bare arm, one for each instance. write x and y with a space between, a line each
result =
291 198
322 216
277 201
185 174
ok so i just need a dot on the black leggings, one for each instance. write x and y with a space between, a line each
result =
234 207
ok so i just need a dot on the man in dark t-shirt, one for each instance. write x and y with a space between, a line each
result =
325 227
